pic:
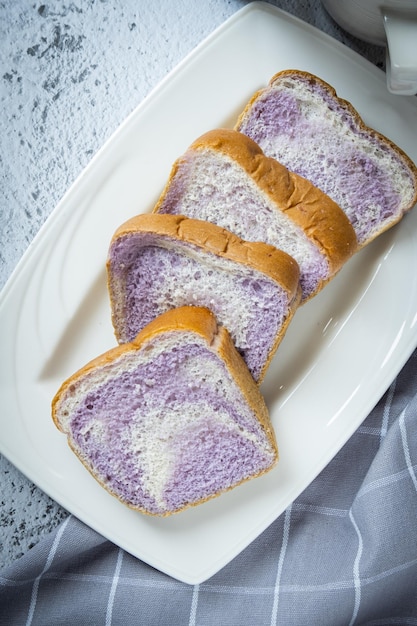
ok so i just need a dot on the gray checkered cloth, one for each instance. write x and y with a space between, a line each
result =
344 553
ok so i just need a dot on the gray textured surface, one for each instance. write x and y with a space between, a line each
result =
70 73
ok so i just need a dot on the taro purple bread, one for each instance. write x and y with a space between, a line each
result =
225 178
170 420
160 262
300 121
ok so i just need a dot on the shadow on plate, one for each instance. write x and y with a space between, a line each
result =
318 322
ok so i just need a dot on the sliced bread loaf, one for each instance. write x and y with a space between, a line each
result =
225 178
170 420
160 262
300 121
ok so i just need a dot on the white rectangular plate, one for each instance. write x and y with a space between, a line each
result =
340 353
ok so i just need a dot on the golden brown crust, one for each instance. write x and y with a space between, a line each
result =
199 320
188 319
278 265
359 122
323 221
315 212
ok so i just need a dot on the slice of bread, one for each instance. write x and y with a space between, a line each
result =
159 262
225 178
170 420
300 121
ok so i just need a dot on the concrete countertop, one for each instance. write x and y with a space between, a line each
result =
70 74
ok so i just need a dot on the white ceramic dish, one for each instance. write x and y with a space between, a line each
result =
340 354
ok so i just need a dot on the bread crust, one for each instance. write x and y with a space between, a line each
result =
322 220
358 121
278 265
201 321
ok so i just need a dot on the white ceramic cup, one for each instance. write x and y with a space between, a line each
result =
390 23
